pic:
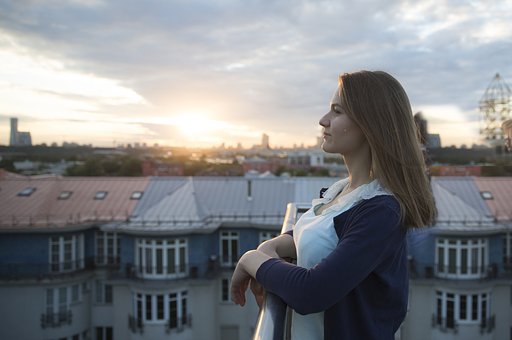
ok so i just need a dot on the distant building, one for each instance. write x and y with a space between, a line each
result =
265 141
433 141
157 168
19 138
306 158
456 170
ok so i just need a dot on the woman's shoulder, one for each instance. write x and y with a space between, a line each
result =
373 207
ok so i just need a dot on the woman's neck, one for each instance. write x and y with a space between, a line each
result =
359 167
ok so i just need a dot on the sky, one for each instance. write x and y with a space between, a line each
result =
199 73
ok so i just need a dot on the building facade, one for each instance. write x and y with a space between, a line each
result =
461 278
133 258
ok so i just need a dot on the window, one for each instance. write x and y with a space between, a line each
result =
507 251
108 248
486 195
103 292
66 253
136 195
104 333
267 235
27 192
100 195
169 308
453 309
65 195
161 258
225 290
461 258
229 248
58 301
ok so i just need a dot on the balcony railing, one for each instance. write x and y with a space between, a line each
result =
487 325
445 324
203 270
423 270
178 324
274 319
135 324
17 271
54 320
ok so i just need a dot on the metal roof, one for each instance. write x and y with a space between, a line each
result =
501 190
44 209
465 189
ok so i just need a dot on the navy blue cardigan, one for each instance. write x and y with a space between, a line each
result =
362 286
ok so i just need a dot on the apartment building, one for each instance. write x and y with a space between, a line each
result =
133 258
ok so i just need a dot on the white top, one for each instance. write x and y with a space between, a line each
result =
315 238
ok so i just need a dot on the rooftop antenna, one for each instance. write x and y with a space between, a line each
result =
495 107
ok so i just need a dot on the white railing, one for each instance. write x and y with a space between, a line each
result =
274 319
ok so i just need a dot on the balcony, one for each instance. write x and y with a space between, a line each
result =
135 324
54 320
21 271
487 325
199 270
445 324
178 324
423 270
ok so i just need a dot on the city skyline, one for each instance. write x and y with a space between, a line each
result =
205 73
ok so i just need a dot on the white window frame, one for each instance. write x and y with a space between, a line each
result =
462 258
66 253
60 299
225 284
472 299
152 257
267 235
145 300
228 255
101 295
108 247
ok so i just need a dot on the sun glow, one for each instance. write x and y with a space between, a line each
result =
192 122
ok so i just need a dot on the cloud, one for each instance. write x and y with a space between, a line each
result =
269 66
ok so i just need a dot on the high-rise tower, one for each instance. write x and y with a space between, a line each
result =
14 132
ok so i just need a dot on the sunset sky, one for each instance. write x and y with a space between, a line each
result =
201 73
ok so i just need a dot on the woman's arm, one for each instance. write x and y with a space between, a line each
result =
281 246
245 271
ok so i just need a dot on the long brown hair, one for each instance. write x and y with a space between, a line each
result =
380 107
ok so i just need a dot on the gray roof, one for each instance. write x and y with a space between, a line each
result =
201 204
466 190
460 207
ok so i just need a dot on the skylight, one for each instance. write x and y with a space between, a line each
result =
65 195
100 195
136 195
27 191
486 195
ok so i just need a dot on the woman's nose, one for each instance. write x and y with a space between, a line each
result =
324 121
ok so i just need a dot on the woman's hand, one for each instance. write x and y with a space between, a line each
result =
258 291
239 283
245 271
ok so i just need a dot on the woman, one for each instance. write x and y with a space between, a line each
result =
351 279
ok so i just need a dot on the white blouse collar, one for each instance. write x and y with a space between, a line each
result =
363 192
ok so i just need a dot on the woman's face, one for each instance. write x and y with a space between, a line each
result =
341 134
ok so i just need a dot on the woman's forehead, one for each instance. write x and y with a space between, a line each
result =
336 97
